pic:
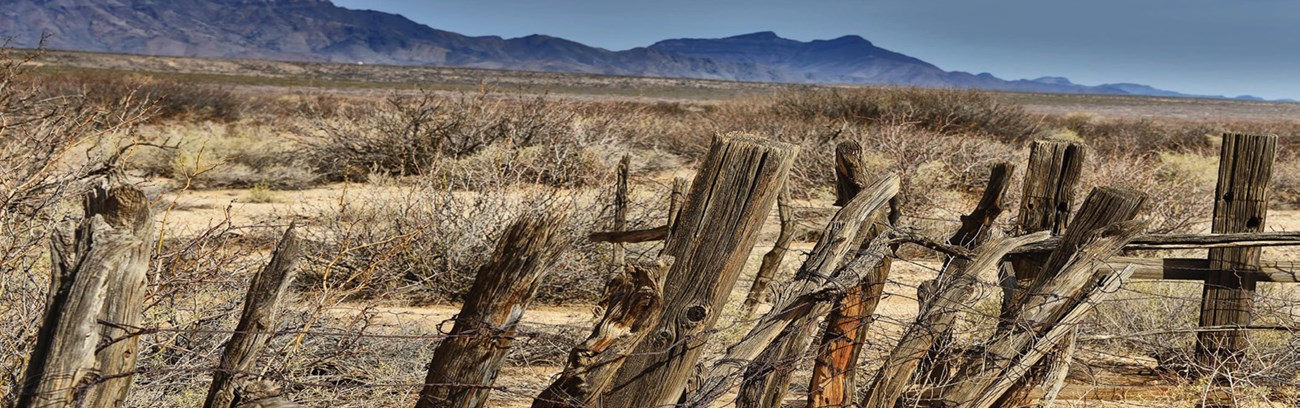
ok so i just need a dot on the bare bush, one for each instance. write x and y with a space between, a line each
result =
534 140
937 110
51 149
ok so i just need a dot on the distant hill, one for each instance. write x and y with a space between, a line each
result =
317 30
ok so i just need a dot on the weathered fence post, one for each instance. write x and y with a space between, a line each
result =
768 376
466 363
1103 226
675 200
732 194
620 209
256 323
1054 170
773 258
921 342
821 279
97 272
833 376
633 302
1050 178
1240 205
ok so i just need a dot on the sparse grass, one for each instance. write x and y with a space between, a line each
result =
429 178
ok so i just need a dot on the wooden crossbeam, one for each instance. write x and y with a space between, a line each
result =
1191 269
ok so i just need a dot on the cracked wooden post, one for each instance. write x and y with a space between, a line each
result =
257 323
834 369
820 280
620 209
466 363
1054 170
97 273
1103 226
773 258
732 194
1240 205
675 200
633 302
767 378
1050 178
919 348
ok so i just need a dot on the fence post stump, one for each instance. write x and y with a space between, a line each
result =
731 196
257 323
1240 205
466 363
633 302
97 272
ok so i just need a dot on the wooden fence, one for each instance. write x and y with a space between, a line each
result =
646 349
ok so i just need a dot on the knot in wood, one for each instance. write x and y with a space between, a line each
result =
694 315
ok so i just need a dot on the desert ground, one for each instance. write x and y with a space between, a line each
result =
400 179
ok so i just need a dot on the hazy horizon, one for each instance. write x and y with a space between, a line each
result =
1207 47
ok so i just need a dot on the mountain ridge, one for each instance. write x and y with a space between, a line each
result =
319 31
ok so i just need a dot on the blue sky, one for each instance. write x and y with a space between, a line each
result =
1194 46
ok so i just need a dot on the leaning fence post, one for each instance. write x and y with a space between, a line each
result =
1104 225
97 272
633 301
922 345
1050 178
620 209
732 194
466 363
1240 205
1054 170
834 369
256 324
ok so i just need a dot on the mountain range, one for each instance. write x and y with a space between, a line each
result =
318 30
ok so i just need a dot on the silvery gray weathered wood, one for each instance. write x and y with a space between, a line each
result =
918 347
1054 170
125 208
1199 269
818 282
736 187
1240 205
1103 226
633 302
833 379
257 323
1190 241
947 296
466 363
97 272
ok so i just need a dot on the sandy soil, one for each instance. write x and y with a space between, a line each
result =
193 211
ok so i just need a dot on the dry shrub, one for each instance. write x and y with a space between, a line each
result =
1155 320
937 110
1179 197
425 243
1286 179
172 100
214 155
51 150
475 136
